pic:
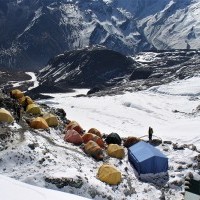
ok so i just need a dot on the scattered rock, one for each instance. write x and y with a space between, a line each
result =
167 142
165 149
41 160
32 146
156 142
178 147
62 182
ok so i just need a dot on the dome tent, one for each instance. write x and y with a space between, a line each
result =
131 141
5 116
89 136
95 132
39 123
75 125
74 137
94 150
116 151
17 93
51 119
147 159
109 174
33 108
113 138
25 98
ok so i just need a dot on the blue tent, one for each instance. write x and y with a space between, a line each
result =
147 159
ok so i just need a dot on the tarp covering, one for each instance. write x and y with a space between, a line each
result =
75 125
147 159
51 119
39 123
5 116
95 131
109 174
33 108
116 151
74 137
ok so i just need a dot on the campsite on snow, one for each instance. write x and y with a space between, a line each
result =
99 99
98 146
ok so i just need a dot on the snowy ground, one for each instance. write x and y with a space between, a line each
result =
15 190
169 109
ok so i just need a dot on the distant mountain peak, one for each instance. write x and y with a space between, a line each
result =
34 31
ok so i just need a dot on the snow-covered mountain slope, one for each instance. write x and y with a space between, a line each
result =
43 29
44 159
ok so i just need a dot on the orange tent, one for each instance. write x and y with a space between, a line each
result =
95 131
39 123
89 136
74 137
74 125
94 150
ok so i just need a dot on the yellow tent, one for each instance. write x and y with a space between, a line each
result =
26 98
116 151
109 174
33 108
5 116
39 123
51 119
17 93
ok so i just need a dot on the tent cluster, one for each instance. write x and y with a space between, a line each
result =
144 157
41 121
96 146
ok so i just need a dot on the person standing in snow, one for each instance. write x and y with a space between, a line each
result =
150 133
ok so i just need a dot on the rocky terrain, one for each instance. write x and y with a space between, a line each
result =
109 72
11 79
34 31
86 68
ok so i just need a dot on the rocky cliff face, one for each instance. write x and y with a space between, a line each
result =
34 31
88 67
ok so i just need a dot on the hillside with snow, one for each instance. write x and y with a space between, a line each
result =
42 158
44 28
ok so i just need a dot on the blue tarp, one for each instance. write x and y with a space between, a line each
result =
147 159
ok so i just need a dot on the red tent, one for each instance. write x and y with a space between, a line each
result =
74 137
